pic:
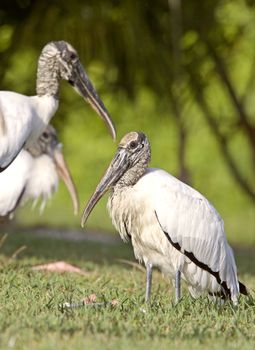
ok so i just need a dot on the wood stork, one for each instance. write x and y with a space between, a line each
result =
171 225
23 118
34 174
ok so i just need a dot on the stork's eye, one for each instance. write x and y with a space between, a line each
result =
45 135
133 144
73 56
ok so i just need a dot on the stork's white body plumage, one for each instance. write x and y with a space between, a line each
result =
34 174
27 178
171 225
159 205
23 118
13 181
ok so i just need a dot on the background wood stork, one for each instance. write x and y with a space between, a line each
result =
171 225
23 118
35 174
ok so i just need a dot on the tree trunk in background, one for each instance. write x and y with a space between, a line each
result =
222 140
242 115
176 90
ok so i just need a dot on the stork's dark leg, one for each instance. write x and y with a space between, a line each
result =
177 286
148 281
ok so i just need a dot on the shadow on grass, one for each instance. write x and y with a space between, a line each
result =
52 249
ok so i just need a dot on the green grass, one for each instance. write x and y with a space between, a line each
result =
30 316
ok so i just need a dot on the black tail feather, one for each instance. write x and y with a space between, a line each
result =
243 289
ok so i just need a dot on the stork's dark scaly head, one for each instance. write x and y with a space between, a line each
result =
126 168
48 144
60 59
134 147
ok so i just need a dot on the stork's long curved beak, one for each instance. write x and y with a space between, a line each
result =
116 169
84 87
65 175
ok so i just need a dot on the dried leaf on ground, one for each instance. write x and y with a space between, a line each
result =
90 299
59 266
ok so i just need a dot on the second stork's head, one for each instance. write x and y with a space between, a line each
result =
126 168
59 60
49 146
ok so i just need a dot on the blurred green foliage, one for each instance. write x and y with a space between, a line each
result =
172 79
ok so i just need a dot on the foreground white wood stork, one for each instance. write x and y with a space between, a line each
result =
35 174
171 225
23 118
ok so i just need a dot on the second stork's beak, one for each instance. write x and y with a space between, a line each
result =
116 169
65 175
83 85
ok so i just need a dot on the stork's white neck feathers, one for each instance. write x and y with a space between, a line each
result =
45 108
42 183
